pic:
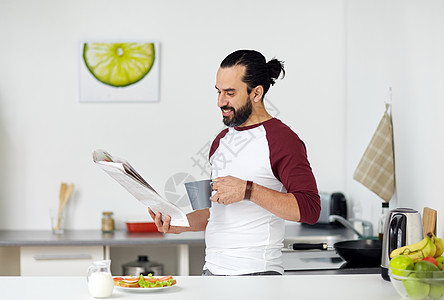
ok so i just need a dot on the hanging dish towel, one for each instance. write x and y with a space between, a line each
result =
376 170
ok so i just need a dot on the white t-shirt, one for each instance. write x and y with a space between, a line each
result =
243 237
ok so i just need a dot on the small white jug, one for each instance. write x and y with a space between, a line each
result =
100 280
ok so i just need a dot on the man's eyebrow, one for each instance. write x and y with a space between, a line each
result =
226 90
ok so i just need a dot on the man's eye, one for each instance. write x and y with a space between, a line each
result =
230 94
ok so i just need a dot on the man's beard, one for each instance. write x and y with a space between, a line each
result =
239 116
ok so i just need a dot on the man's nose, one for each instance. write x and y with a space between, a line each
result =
221 100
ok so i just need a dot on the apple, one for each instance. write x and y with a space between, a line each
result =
432 260
440 261
436 291
415 288
400 263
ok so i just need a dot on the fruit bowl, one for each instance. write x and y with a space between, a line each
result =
412 284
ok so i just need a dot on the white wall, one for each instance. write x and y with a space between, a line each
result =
397 44
47 136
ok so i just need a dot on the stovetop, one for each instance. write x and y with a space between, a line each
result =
322 262
339 271
337 266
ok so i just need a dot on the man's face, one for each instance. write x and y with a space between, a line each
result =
233 98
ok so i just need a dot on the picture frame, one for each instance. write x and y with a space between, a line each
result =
121 72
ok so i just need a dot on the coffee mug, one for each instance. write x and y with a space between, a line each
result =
199 193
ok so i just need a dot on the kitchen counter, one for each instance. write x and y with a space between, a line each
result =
293 260
94 238
29 240
331 287
294 232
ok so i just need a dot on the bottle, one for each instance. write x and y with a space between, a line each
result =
107 222
381 225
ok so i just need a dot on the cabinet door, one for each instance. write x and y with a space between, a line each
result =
57 260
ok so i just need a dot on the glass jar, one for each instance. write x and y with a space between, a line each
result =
107 222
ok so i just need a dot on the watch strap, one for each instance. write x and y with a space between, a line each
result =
248 189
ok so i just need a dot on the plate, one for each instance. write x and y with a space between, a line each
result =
142 290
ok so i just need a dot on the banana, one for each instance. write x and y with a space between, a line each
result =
408 249
439 243
432 252
425 247
428 250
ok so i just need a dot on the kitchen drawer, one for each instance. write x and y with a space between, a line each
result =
58 260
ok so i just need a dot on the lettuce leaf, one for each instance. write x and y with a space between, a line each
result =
147 284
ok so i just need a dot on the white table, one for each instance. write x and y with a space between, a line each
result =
305 287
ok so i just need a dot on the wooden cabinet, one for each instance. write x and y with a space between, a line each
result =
58 260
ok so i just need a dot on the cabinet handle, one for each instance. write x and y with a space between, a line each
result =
62 256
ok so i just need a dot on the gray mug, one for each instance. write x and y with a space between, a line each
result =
199 193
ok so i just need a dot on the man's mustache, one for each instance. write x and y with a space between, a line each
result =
227 107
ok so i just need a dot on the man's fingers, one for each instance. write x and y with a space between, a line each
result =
151 213
157 220
166 224
215 197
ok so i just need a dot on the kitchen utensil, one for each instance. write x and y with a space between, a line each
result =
199 193
100 280
357 253
429 220
403 227
68 194
142 266
360 252
62 194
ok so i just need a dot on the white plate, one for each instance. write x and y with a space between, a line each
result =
143 290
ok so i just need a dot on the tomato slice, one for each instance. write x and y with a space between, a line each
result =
152 280
165 278
126 279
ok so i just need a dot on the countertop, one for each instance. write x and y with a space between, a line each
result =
331 287
294 232
94 238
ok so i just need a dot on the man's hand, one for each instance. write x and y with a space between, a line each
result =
164 226
228 189
197 219
231 190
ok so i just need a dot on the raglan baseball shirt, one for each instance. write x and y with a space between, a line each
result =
242 237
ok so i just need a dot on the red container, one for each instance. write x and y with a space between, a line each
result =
141 227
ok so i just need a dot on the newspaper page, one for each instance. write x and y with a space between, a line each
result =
127 176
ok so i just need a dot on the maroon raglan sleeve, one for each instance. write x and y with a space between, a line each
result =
215 143
288 157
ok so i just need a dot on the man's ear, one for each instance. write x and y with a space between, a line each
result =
258 93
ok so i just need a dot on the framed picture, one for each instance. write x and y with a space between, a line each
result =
119 72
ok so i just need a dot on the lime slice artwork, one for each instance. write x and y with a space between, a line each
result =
119 64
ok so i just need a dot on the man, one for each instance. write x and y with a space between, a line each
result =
260 173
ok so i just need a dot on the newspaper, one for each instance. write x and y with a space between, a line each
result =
127 176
